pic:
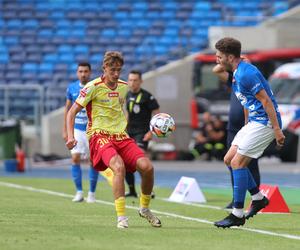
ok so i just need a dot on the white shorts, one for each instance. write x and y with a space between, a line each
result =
82 146
253 139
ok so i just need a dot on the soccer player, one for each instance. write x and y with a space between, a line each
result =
264 124
140 106
81 149
236 121
110 145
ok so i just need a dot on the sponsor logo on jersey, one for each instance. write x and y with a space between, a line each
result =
113 94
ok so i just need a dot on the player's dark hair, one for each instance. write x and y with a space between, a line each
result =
229 45
136 72
84 64
112 57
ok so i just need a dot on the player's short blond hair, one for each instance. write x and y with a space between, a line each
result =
112 57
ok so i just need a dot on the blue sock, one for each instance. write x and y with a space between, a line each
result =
77 176
240 185
93 174
231 175
252 186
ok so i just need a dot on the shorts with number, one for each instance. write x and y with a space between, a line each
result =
103 148
82 146
253 139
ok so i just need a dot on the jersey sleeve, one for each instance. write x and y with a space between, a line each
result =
86 95
152 103
252 83
68 94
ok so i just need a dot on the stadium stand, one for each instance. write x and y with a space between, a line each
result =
42 41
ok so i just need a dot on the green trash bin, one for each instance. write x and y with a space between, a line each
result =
10 136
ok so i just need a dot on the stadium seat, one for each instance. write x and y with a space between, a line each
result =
4 57
43 40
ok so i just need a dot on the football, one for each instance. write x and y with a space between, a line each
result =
162 125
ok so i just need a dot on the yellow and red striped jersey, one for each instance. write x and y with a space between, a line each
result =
104 107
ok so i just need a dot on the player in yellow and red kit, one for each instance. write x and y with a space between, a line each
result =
110 145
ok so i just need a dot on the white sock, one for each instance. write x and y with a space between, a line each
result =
238 212
258 196
121 218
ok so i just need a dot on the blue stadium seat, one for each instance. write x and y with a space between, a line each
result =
30 67
121 15
66 57
79 24
81 49
124 32
64 48
11 40
4 58
108 33
51 58
141 6
45 67
14 24
63 24
201 5
45 33
31 24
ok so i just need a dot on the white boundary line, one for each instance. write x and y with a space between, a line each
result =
32 189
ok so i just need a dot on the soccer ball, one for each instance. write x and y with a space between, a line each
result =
162 125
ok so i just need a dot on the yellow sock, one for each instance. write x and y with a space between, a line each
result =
120 206
145 200
108 175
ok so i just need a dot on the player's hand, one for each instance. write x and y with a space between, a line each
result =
280 138
71 143
147 136
65 136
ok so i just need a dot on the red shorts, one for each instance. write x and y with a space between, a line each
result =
103 148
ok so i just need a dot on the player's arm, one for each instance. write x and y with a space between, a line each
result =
67 107
221 73
246 115
71 142
267 103
148 135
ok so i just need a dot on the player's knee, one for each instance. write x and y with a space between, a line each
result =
144 165
227 160
76 159
117 166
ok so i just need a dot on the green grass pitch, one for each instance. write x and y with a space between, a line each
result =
37 220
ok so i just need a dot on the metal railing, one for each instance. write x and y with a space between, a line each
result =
23 102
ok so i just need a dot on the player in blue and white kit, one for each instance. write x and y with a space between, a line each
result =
264 125
82 147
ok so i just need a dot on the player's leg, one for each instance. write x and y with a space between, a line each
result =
93 176
230 137
129 177
259 137
146 171
134 159
77 177
116 164
254 169
103 155
130 180
108 175
76 153
240 179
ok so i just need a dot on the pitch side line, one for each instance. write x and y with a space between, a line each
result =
28 188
